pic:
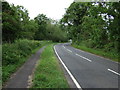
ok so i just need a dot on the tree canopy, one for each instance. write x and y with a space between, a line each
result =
17 24
94 23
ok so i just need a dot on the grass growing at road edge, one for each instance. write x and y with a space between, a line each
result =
110 55
48 73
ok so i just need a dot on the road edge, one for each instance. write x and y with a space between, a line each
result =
96 55
67 70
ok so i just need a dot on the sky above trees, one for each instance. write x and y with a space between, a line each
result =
54 9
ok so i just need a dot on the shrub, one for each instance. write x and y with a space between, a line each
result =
14 55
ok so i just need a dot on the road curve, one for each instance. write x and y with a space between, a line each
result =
90 71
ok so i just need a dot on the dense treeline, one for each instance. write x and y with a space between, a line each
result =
96 25
49 29
22 36
17 24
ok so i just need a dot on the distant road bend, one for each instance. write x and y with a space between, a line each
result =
88 70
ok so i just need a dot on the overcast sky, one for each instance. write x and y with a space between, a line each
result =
51 8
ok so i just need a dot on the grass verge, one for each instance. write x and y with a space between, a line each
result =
19 59
48 73
111 55
43 43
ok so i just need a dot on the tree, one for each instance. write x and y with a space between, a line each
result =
10 23
114 24
55 33
42 21
73 18
17 23
29 30
94 24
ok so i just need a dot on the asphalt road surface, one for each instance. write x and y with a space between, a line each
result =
89 70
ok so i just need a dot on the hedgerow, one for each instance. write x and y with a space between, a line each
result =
15 54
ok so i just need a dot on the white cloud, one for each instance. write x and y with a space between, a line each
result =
52 8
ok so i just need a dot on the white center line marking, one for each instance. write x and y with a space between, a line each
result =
63 46
69 50
74 80
96 55
113 71
84 57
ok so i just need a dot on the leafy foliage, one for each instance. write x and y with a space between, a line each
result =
19 33
49 31
95 24
12 53
10 23
15 54
18 25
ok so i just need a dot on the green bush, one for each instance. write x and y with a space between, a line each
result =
15 54
12 53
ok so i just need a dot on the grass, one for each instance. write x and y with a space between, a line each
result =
43 43
111 55
48 73
8 70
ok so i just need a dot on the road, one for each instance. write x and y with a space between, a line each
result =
88 70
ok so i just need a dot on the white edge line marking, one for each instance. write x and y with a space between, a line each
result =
113 71
83 57
74 80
